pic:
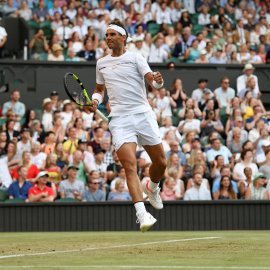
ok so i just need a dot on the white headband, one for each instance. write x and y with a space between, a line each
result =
120 30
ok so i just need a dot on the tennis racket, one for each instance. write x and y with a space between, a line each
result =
77 93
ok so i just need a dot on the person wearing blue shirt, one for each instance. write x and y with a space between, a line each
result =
224 172
217 58
174 145
19 189
14 105
218 149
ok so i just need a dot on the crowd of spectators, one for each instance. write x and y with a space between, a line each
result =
216 143
193 31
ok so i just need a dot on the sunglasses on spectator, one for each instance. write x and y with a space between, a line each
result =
96 183
226 82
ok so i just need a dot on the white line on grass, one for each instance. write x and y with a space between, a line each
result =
99 248
139 267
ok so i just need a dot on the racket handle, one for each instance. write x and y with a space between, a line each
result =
102 116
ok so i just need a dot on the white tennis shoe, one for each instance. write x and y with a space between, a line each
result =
153 196
146 220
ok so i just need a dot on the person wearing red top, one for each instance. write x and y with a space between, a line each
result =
32 169
41 192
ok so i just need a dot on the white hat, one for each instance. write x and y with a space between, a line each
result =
203 52
248 66
265 143
67 101
45 101
42 173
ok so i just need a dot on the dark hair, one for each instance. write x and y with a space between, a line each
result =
143 171
230 189
216 157
27 115
9 121
16 89
118 23
118 170
243 153
245 143
249 167
76 121
210 111
212 141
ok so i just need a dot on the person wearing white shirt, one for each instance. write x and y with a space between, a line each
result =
197 94
176 12
3 39
157 53
224 93
71 12
163 15
80 28
241 80
197 192
139 33
190 6
139 48
155 7
64 32
189 124
118 13
204 17
101 10
164 103
24 144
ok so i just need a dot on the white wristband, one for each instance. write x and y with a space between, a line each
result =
97 97
158 85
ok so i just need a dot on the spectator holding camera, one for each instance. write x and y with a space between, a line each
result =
38 44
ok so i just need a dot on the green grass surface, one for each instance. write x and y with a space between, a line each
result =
124 250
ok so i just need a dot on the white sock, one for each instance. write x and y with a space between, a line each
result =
153 186
139 206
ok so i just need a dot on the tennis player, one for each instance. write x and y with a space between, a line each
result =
132 120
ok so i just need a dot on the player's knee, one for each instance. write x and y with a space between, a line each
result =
129 166
162 164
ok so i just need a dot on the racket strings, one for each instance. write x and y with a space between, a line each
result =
75 90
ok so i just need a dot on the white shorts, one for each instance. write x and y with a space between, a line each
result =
141 128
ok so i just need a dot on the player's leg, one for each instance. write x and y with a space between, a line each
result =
157 169
127 156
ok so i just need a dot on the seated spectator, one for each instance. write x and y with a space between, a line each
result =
118 13
41 13
120 193
254 58
56 23
225 191
243 56
185 20
262 53
38 44
170 192
38 158
8 155
36 132
250 87
211 104
49 144
11 133
224 171
9 10
157 53
139 48
53 170
121 174
64 32
54 10
210 124
12 116
181 47
265 168
89 51
198 94
14 105
41 192
45 116
99 164
239 123
81 30
202 170
61 156
171 39
235 145
177 93
76 43
246 161
70 145
218 164
204 17
192 53
190 135
255 35
173 162
163 103
239 10
93 194
218 149
212 25
95 142
254 133
202 58
240 35
57 53
24 11
167 126
224 93
32 169
247 183
71 187
25 143
71 12
19 189
196 192
113 167
196 156
216 59
257 191
83 168
190 123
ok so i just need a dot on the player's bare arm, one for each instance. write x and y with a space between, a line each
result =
151 78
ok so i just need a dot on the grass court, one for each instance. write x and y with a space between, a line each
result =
135 250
